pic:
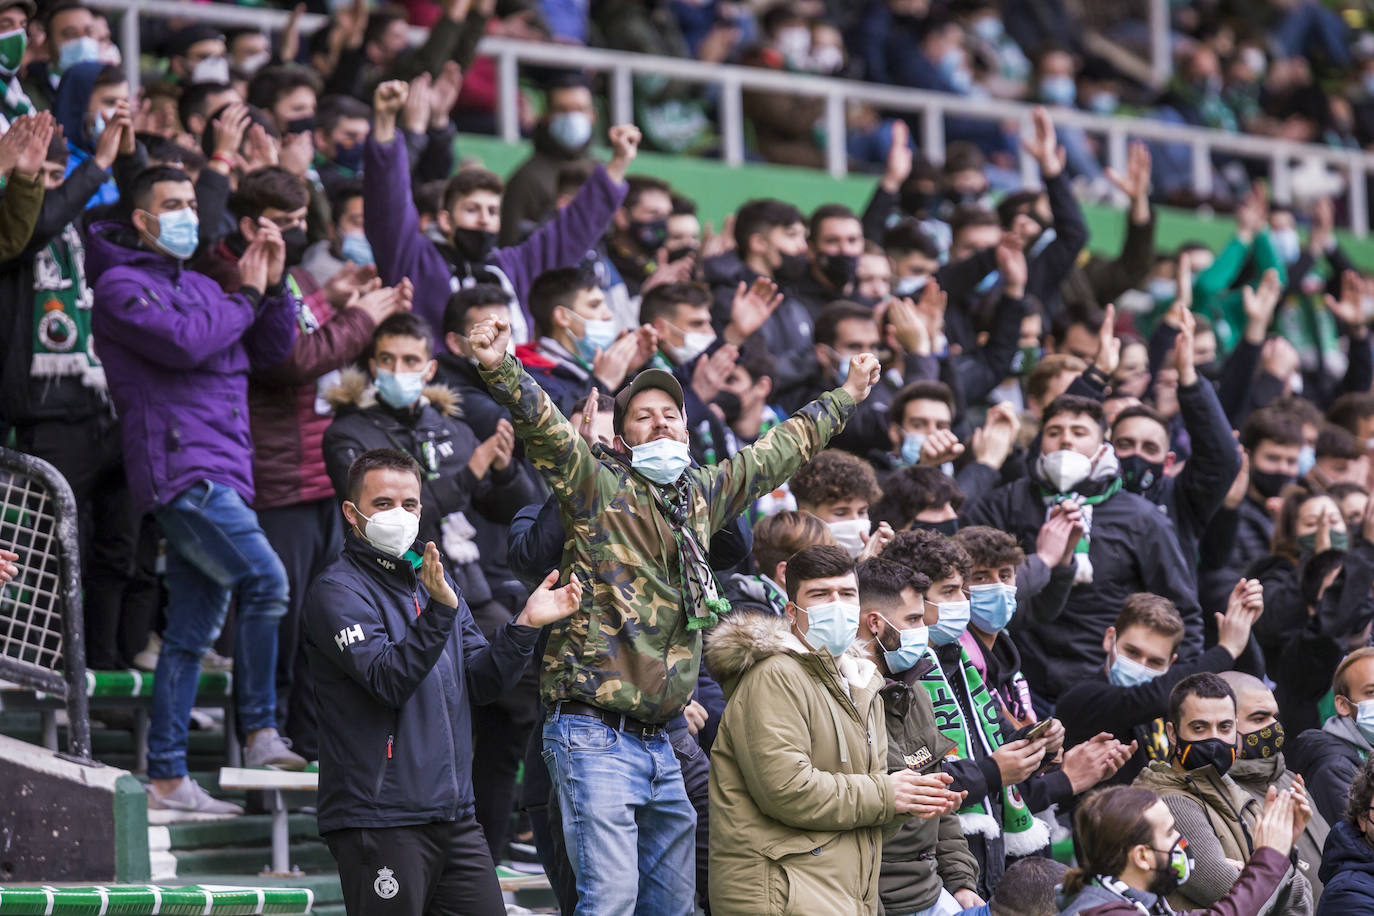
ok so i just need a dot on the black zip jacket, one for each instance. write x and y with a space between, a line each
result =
393 687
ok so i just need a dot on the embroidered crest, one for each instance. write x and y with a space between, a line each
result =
386 884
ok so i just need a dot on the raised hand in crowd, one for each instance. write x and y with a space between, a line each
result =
711 372
443 95
1135 184
753 305
382 302
260 149
230 129
630 350
714 244
1043 145
900 158
907 324
1094 760
1011 264
415 114
1259 303
548 605
351 280
864 373
488 339
1243 608
625 140
1253 212
1059 535
875 542
941 446
34 151
432 577
297 152
1280 359
1185 359
667 271
388 100
992 443
1350 307
1108 344
495 451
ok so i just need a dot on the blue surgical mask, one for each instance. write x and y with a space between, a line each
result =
178 232
98 126
1163 289
1127 673
1307 459
571 129
597 335
991 607
910 286
662 460
832 626
912 443
356 248
1286 244
1058 90
1364 719
954 617
905 656
1103 102
77 51
399 389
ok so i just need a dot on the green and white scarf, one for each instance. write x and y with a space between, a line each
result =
1022 834
15 104
1083 566
62 341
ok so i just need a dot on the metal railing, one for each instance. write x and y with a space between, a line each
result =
732 81
42 641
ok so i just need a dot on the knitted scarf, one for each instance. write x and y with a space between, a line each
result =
62 342
1130 895
1008 816
14 105
1083 573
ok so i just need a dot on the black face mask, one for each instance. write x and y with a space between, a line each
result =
948 527
300 125
677 254
838 269
1269 484
793 268
917 204
474 245
730 405
650 235
1139 474
1263 744
1210 370
1194 755
296 242
1165 880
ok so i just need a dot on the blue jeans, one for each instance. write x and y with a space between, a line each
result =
625 812
945 906
215 548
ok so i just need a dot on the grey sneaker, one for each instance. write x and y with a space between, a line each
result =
272 751
189 796
147 659
214 663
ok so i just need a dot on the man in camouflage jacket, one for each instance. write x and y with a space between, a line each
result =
626 661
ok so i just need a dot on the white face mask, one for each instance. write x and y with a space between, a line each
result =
391 531
849 534
1065 469
694 343
210 70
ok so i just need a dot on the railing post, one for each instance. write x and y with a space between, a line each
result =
1117 157
933 134
622 96
1161 56
1202 168
508 93
1359 199
836 145
129 47
732 121
1280 178
1030 170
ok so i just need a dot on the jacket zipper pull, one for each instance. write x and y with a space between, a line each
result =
388 746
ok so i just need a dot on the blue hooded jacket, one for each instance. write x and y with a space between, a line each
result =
73 97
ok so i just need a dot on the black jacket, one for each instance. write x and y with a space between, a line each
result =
393 688
1328 764
1347 871
1133 548
1096 705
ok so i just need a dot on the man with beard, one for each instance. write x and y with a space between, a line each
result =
288 416
470 220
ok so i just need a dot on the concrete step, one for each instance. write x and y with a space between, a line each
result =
248 830
249 860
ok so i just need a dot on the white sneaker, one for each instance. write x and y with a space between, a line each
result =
214 663
272 751
190 797
147 659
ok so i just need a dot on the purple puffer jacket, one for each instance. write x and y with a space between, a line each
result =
177 350
402 250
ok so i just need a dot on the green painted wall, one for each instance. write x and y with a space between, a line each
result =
719 190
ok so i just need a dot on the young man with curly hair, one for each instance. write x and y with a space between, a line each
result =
838 488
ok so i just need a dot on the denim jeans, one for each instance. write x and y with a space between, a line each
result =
215 548
625 812
945 906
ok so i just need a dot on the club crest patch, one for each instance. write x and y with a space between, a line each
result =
386 884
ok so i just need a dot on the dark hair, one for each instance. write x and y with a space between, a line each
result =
1028 888
1074 404
141 189
269 84
403 324
990 548
269 187
761 216
881 582
968 216
335 108
825 212
818 562
255 116
1338 442
61 6
604 404
911 491
428 197
925 390
1350 408
1205 686
1314 571
929 553
378 459
662 301
828 321
1108 824
683 206
344 191
1146 412
554 288
1361 794
465 300
962 156
469 181
834 475
1047 370
639 185
1302 410
1271 424
780 535
906 236
1009 207
378 21
1284 540
755 359
109 75
1153 612
1340 490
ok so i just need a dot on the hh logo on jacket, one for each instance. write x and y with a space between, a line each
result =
348 636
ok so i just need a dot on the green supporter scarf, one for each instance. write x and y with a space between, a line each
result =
62 341
1082 563
1022 834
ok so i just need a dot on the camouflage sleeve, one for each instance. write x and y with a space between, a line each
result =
768 463
551 444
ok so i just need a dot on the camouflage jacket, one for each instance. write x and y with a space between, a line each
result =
628 648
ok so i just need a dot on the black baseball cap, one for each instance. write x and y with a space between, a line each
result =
649 378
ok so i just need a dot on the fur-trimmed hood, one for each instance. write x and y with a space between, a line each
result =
356 390
743 639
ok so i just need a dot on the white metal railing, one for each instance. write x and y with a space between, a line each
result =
733 81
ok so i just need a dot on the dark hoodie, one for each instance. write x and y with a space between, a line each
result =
1347 871
73 97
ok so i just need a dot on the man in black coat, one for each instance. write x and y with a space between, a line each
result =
396 658
1128 546
1331 757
